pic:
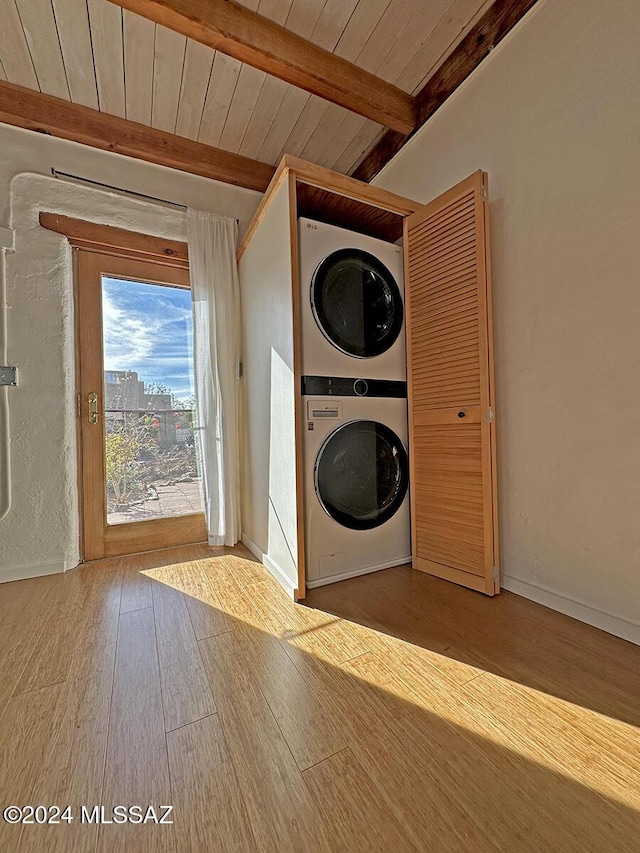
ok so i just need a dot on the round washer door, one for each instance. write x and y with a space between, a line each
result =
361 474
356 303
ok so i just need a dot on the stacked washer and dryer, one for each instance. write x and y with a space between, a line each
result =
354 387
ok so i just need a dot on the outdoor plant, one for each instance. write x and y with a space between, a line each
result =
124 442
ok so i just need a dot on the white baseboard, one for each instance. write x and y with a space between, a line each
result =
273 568
343 576
24 572
251 545
584 612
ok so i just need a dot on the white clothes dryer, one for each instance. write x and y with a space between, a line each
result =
356 477
351 304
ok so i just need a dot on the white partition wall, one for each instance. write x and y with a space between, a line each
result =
269 447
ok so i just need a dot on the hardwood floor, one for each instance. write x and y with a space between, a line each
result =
393 712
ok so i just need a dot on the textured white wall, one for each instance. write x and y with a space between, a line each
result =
40 533
553 115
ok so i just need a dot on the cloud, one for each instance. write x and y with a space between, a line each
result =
147 329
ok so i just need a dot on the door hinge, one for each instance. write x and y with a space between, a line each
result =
492 415
496 574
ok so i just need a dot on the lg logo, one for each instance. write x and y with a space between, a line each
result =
312 225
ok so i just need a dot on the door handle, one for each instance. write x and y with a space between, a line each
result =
462 414
92 400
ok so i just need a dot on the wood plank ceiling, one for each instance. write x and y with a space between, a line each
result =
93 53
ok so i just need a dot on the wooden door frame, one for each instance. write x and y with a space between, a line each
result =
93 245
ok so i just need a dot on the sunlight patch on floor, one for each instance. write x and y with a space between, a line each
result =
420 678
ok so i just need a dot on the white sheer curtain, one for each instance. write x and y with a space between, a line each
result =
216 355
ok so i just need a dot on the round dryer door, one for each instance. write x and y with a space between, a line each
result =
361 474
357 303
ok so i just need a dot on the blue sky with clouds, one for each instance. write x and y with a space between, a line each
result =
147 328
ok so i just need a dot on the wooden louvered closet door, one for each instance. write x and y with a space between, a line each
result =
450 372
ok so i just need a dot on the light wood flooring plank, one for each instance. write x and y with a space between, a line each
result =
322 634
186 696
136 765
73 764
397 621
25 607
25 736
136 586
266 770
209 810
531 789
297 703
386 745
570 742
351 807
79 629
208 618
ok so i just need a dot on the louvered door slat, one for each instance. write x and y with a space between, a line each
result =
447 242
443 243
452 438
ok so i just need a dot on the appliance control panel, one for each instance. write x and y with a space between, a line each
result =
323 410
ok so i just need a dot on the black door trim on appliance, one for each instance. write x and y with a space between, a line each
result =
356 303
341 386
361 474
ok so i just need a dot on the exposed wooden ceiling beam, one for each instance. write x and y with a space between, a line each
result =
494 25
32 110
254 39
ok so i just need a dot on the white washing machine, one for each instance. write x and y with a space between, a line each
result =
352 304
356 477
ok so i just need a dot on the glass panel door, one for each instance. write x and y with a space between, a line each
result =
141 488
150 456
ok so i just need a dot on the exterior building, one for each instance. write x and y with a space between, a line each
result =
124 394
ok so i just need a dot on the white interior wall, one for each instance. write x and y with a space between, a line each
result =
269 512
40 533
553 115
